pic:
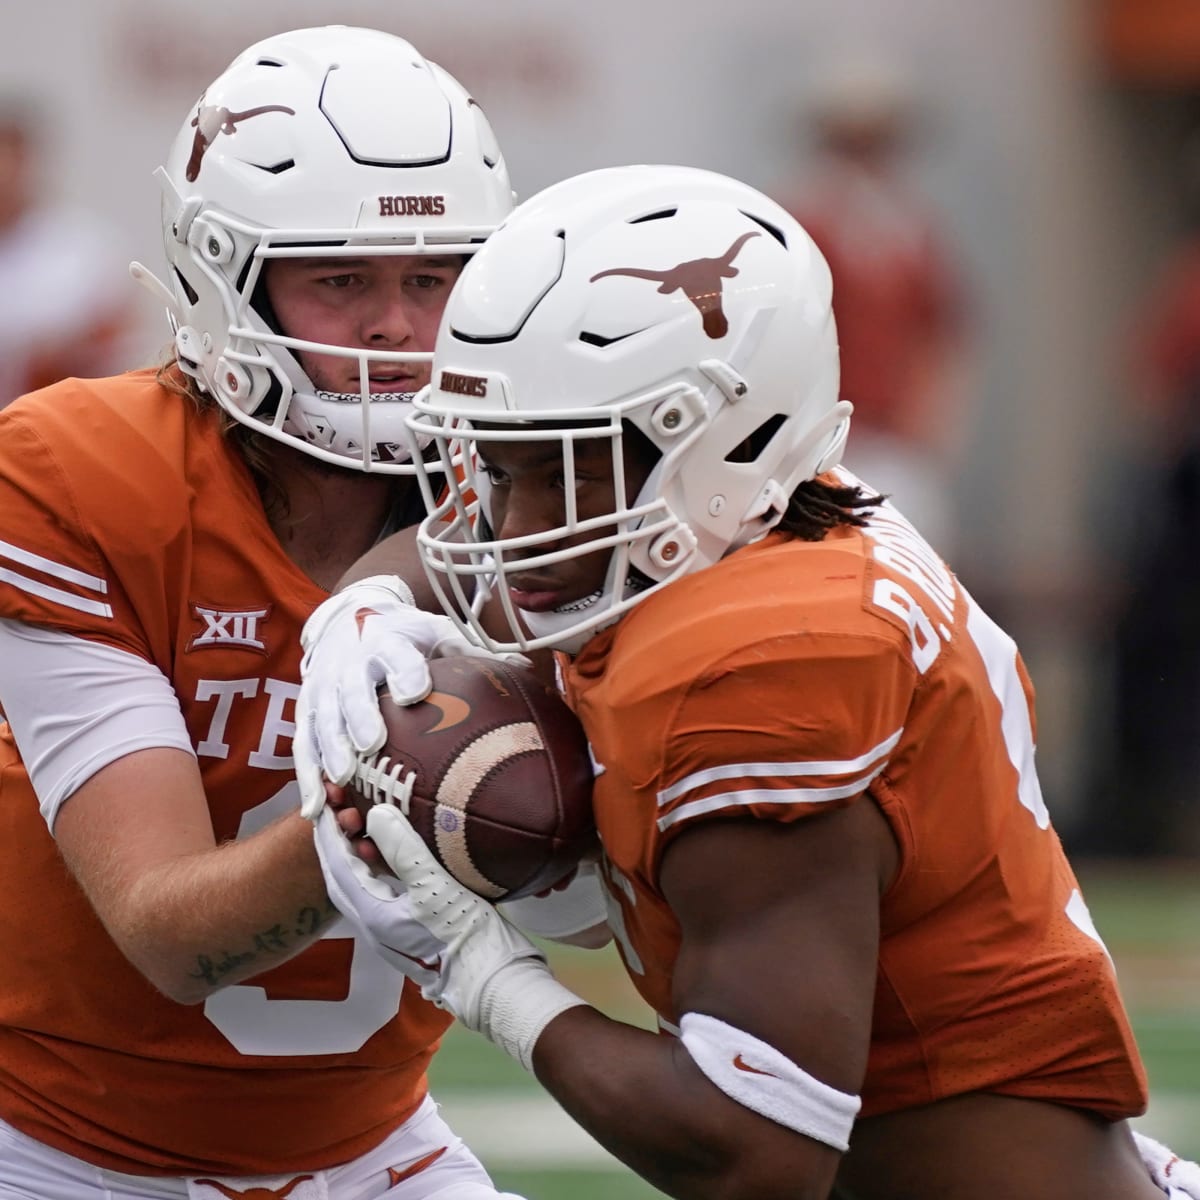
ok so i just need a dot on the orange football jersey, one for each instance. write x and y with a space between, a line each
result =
794 675
125 518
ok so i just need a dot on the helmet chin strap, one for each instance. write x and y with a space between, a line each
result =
580 605
635 582
574 639
356 397
347 403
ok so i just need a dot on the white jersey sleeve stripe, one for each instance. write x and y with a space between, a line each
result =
57 595
852 766
49 567
739 799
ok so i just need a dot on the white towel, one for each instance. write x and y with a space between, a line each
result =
1178 1177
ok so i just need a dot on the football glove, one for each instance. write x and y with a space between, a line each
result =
376 906
465 957
366 636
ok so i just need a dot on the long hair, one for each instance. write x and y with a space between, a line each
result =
253 447
818 506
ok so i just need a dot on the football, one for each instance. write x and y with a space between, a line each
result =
493 771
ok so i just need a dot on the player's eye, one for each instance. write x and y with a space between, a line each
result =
429 282
582 480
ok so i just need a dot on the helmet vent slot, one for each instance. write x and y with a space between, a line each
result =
773 230
188 290
483 339
661 215
750 449
598 339
278 169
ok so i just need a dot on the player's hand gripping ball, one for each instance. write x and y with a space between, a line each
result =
493 771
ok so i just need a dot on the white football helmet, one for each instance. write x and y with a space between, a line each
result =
333 141
676 301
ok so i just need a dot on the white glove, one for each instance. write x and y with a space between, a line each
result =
481 969
360 638
375 905
564 913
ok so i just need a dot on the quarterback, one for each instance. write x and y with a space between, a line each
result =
180 999
827 863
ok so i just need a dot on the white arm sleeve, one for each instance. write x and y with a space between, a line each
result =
579 906
75 706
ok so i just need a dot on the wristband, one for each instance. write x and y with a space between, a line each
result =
580 905
517 1004
759 1077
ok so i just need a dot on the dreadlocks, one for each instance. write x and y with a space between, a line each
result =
817 506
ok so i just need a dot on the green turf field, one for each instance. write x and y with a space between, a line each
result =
1150 920
1149 917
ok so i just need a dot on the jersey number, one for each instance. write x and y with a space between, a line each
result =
256 1024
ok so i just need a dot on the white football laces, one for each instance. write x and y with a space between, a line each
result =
379 780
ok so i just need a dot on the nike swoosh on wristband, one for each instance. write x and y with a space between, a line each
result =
741 1064
435 965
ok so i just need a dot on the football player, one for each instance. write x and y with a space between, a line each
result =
183 1013
828 864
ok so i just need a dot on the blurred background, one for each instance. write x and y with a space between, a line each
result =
1008 192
